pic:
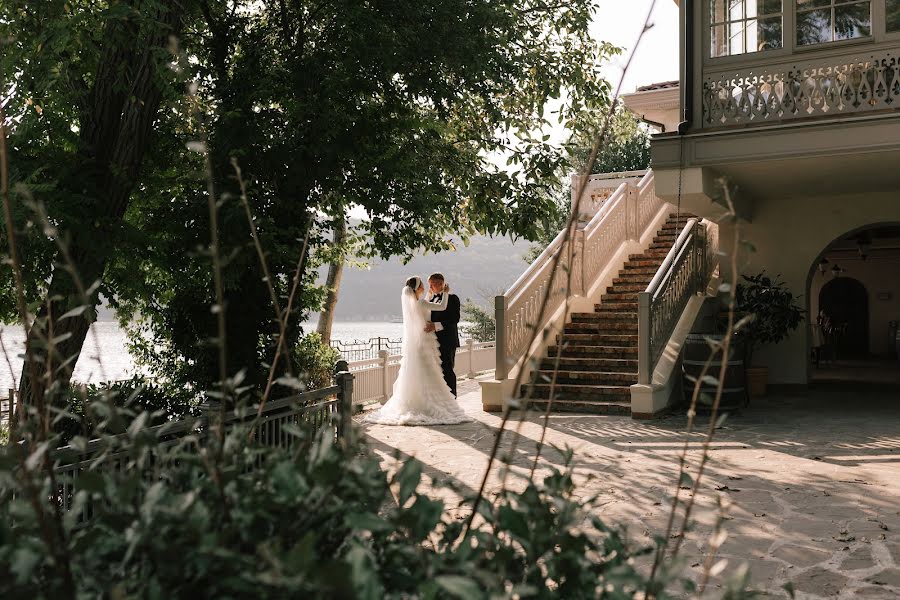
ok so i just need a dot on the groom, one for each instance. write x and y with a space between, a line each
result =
444 323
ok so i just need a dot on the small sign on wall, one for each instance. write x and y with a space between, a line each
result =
884 295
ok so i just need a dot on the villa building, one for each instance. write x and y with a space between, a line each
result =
794 107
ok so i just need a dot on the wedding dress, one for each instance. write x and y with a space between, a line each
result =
421 396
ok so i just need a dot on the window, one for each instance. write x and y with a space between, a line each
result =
892 15
741 26
821 21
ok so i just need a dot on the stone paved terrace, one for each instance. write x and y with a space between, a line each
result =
814 480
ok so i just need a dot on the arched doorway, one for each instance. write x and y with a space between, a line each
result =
845 303
853 298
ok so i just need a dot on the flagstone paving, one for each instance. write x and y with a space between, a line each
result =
814 481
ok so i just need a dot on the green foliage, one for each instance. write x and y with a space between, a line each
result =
111 408
771 309
627 148
325 106
482 325
315 362
320 523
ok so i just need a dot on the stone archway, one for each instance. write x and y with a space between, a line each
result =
845 301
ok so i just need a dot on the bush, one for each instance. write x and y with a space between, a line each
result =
320 523
482 327
116 404
315 362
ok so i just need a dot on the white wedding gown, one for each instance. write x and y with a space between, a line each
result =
421 396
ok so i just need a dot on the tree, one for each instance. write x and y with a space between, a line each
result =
333 282
627 149
483 325
390 107
88 81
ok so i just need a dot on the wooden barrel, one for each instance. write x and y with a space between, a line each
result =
696 352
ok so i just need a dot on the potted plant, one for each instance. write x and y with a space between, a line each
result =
772 312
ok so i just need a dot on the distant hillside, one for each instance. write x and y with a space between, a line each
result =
486 266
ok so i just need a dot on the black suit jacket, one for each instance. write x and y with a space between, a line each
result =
448 318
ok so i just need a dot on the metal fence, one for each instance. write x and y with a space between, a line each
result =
312 412
374 377
363 350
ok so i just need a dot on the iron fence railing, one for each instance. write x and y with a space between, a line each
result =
685 272
314 411
366 349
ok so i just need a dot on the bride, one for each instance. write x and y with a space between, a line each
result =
421 396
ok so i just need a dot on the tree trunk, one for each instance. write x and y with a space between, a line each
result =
333 283
116 128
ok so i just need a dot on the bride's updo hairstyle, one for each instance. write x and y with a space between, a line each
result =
413 283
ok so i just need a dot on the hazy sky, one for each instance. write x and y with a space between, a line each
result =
619 22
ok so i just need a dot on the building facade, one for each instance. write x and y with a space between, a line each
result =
794 106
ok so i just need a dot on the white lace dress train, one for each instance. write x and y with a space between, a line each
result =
420 396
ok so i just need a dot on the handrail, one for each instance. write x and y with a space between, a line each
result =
617 196
542 258
666 267
623 216
684 272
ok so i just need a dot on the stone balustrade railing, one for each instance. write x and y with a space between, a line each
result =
586 253
798 88
685 272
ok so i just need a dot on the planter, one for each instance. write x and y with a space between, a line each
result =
756 381
696 353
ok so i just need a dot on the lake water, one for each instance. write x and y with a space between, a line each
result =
115 362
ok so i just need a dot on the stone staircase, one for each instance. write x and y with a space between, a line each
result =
598 351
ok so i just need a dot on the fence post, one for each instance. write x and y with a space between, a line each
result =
470 345
386 382
12 414
209 414
501 369
343 378
644 338
631 213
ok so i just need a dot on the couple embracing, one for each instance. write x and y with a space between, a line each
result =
425 390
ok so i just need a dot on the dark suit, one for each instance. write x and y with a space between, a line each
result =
448 337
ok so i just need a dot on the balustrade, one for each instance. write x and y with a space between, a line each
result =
815 87
623 216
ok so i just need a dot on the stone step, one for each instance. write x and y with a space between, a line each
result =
594 352
604 315
622 408
644 263
567 391
626 306
649 255
582 377
599 339
661 246
626 287
617 365
611 327
611 297
629 277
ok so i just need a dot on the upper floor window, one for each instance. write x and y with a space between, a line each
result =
892 14
820 21
742 26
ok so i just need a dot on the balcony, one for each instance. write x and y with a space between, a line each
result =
780 127
801 87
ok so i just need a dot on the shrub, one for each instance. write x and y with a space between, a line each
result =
772 310
482 327
89 406
315 362
321 523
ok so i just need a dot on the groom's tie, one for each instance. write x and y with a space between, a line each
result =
436 298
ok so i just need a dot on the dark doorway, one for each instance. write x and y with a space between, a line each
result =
846 303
